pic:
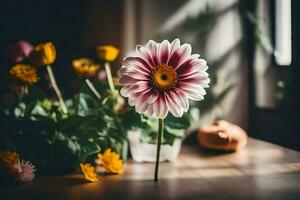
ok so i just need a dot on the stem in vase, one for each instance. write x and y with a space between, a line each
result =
159 139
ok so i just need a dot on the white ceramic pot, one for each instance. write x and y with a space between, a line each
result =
145 152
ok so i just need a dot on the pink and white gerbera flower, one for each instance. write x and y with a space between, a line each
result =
23 171
162 77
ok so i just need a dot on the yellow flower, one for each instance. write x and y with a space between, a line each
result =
85 67
24 73
8 158
89 172
111 161
43 54
107 53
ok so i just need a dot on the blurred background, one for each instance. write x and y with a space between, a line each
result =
250 46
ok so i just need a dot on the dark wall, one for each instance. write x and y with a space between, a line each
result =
40 21
35 20
74 26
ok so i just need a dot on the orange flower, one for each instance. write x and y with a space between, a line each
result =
85 67
24 73
89 172
111 161
43 54
107 53
8 158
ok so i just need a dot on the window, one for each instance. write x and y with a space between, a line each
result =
283 44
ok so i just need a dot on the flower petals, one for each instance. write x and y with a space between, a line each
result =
138 86
132 78
180 99
152 48
137 63
142 98
180 55
160 109
150 110
194 93
197 77
192 87
174 46
174 108
190 66
163 52
145 55
141 108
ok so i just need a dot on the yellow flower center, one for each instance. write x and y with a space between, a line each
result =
164 77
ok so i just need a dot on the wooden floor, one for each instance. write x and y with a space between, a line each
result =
260 171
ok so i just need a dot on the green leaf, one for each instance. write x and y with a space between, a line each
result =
71 124
74 147
87 149
19 111
131 119
177 123
82 104
169 138
174 131
39 110
148 136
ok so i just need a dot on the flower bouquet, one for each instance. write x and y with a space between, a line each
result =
57 134
53 132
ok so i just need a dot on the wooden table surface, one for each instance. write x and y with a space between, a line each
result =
259 171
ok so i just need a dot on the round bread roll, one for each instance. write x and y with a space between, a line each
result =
222 135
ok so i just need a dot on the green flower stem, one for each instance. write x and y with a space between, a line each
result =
109 77
56 89
92 88
159 139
